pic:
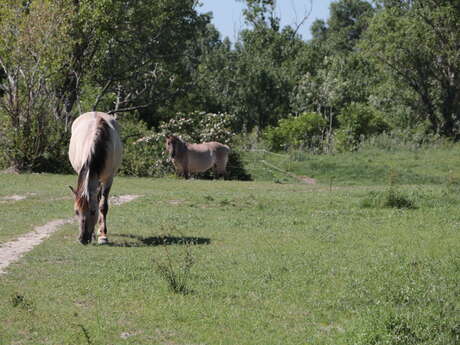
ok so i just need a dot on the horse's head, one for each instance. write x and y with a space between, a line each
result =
171 145
87 210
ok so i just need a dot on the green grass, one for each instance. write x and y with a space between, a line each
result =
47 197
369 167
270 263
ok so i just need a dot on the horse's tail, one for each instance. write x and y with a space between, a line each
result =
96 161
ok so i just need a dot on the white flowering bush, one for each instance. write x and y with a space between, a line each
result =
198 127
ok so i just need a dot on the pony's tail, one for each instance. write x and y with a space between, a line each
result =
83 185
98 157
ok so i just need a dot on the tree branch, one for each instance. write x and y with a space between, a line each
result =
102 93
124 110
305 17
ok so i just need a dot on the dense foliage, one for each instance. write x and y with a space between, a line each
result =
304 131
371 68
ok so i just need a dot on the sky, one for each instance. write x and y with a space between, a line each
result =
228 19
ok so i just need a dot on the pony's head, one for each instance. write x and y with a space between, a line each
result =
86 207
173 144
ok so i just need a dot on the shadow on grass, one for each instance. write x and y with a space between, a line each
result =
140 241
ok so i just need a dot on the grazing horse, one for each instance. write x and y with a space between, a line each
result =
193 158
95 154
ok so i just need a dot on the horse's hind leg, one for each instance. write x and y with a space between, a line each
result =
186 173
103 209
221 169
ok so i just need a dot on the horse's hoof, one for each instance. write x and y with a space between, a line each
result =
102 240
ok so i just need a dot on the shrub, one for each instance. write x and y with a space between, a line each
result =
200 126
357 122
34 141
143 150
390 198
303 131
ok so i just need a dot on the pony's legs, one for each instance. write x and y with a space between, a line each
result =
186 174
220 169
103 209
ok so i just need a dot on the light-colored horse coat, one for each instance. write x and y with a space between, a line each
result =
193 158
95 154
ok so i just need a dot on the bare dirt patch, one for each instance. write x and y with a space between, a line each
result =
15 197
118 200
303 179
14 250
307 180
175 202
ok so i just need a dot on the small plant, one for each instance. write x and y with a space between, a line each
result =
396 199
19 301
85 334
390 198
175 271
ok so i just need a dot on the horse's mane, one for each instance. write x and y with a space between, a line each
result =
179 143
94 163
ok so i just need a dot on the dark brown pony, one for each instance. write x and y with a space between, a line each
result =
95 154
192 158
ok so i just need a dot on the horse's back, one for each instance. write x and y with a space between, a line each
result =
209 154
200 157
82 141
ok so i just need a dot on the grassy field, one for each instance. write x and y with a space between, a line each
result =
373 258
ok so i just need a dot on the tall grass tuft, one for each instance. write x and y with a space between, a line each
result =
175 270
391 198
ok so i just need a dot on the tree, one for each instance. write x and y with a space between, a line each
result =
35 49
68 56
415 43
336 74
253 80
347 22
143 59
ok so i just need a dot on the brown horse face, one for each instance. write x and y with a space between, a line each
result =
170 146
88 214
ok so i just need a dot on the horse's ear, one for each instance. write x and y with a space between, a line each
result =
73 191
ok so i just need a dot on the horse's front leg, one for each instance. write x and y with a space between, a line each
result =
103 209
185 170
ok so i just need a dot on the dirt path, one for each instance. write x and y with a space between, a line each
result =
303 179
14 250
15 197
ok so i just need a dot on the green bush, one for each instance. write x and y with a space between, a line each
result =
33 140
303 131
357 122
143 150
